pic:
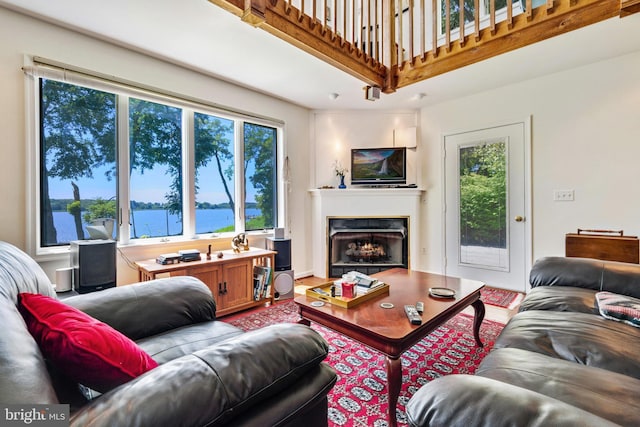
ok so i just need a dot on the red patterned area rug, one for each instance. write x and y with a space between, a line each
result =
500 297
359 397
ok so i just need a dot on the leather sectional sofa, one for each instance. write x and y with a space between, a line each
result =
558 362
208 372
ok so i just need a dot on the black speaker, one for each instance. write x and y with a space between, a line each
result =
94 265
283 284
283 249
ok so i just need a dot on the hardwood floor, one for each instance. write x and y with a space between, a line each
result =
498 314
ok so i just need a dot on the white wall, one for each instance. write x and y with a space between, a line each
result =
585 137
335 133
22 36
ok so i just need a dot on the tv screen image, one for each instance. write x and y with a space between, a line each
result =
378 166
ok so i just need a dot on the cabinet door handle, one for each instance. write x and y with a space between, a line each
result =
225 288
219 288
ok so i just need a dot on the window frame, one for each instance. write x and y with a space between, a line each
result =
36 68
469 26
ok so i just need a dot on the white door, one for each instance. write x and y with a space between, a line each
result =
487 235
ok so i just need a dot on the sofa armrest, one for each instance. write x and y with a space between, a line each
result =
215 384
470 401
618 277
149 308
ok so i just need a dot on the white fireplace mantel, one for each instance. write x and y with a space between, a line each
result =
361 202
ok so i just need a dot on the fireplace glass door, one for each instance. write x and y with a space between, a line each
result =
367 245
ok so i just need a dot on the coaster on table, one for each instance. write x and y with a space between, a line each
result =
442 292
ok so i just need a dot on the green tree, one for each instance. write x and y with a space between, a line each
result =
213 144
260 147
78 136
100 208
469 12
155 137
483 195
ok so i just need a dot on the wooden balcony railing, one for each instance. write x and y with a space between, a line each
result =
395 43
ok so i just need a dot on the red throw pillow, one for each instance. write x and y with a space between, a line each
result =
83 348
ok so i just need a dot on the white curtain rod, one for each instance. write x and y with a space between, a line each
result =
49 69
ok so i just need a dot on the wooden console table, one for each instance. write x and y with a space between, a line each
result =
229 278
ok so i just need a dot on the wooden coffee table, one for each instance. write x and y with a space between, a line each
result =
389 330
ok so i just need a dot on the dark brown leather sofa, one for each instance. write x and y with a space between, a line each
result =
557 362
210 373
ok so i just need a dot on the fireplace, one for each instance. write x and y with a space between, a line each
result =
368 245
359 204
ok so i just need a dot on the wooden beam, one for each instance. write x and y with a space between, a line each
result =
542 26
629 7
283 21
290 24
323 45
254 12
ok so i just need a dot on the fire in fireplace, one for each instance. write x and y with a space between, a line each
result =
368 245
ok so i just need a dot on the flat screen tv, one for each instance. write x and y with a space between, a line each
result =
378 166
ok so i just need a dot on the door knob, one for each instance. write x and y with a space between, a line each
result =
519 218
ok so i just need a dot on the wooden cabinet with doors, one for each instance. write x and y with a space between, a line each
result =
229 278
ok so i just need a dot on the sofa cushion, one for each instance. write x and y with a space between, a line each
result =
607 394
588 339
473 401
560 298
20 273
179 342
148 308
23 372
220 385
619 277
87 350
619 307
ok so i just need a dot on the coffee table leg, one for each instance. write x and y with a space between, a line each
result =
394 381
478 306
304 321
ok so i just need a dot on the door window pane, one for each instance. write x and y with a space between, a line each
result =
155 186
260 144
77 162
483 204
215 174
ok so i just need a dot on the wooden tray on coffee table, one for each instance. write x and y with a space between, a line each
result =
343 301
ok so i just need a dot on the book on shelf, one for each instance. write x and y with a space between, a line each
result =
261 282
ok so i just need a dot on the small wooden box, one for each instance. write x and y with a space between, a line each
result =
343 301
603 244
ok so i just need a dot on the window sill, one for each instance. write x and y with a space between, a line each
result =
142 246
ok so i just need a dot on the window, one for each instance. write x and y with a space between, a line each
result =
469 14
155 164
78 160
113 156
260 176
215 174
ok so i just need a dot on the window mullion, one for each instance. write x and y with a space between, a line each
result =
33 169
123 169
239 175
188 174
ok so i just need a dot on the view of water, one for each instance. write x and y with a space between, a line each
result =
156 222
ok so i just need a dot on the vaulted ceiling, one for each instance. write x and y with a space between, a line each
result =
198 35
